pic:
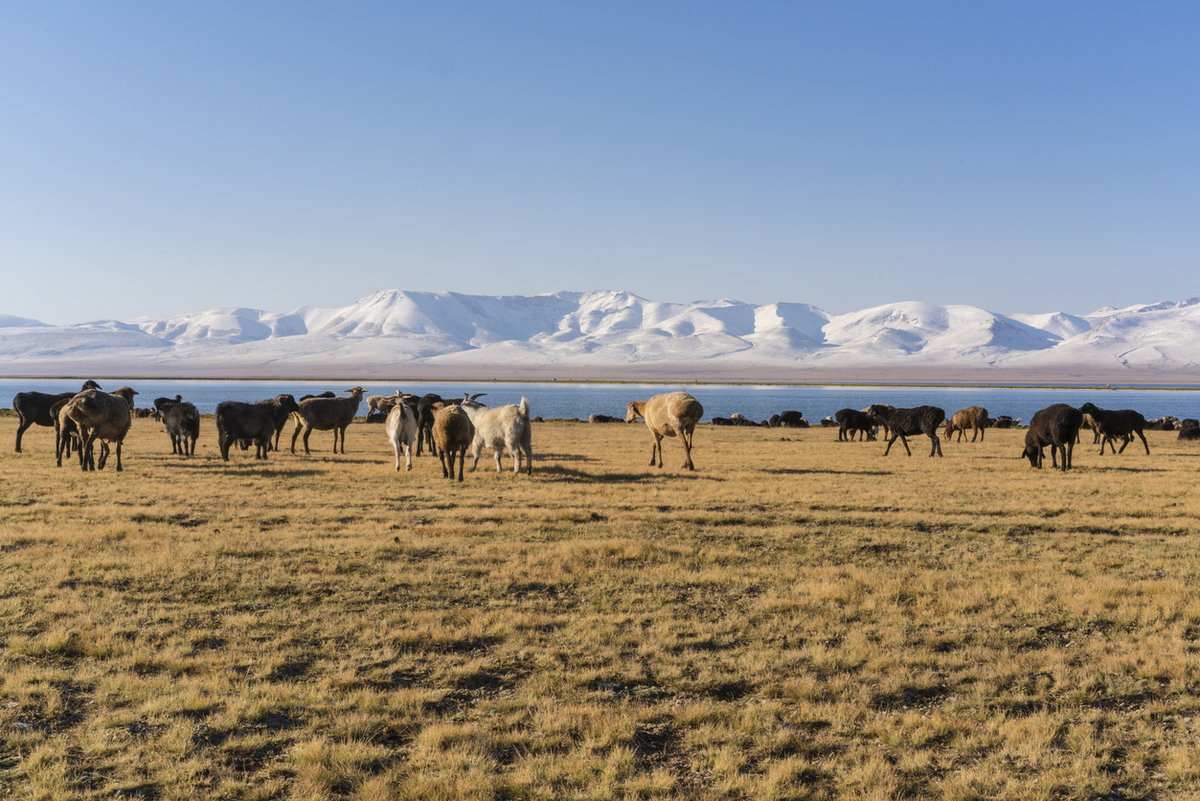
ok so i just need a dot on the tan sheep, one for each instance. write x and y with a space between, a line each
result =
97 415
972 417
452 434
668 415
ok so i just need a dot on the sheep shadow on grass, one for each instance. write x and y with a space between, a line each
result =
797 471
559 473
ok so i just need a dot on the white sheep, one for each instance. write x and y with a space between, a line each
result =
401 430
668 415
504 428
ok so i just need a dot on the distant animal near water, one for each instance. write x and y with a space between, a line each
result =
668 415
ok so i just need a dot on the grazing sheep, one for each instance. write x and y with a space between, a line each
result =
972 417
1165 423
602 418
668 415
1117 423
401 431
852 422
790 419
326 414
1057 426
33 408
182 422
237 420
1090 424
1189 422
1189 432
98 415
505 428
1004 421
452 434
882 423
903 423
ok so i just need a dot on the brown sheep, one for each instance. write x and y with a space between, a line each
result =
453 433
97 415
325 414
668 415
972 417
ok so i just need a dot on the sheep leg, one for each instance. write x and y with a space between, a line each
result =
441 454
462 462
498 453
656 451
21 430
307 431
1143 437
407 457
686 438
1068 448
476 452
937 446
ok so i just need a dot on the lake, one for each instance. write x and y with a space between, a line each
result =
571 400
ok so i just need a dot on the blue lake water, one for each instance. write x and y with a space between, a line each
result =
569 400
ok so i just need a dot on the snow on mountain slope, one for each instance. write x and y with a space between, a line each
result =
613 330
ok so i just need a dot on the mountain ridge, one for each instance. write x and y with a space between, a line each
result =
610 333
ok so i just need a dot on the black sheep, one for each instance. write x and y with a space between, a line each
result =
903 423
252 421
1117 423
33 408
1057 426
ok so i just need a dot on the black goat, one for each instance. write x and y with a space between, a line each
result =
1117 423
903 423
182 421
33 408
852 422
1057 426
252 421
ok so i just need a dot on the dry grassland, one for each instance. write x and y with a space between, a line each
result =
800 618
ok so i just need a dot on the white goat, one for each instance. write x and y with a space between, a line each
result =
401 430
505 428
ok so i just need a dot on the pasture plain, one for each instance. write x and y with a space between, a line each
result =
798 619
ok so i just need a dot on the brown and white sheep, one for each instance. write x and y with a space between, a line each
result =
452 434
972 417
328 414
668 415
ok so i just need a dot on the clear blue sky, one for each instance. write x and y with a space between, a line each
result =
166 157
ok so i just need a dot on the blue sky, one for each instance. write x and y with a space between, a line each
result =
159 158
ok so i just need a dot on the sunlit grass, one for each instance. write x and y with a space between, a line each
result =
799 618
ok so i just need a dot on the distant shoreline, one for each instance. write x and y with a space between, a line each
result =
709 381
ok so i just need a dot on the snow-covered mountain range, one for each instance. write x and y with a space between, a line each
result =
610 334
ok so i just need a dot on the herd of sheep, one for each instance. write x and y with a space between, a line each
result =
449 427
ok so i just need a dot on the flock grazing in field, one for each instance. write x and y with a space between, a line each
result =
450 427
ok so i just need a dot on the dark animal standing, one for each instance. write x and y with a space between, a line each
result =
1189 432
1057 426
904 423
33 408
851 423
328 414
790 419
182 422
1119 423
972 417
252 421
453 433
95 414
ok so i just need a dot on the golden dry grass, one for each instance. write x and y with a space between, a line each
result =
800 618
